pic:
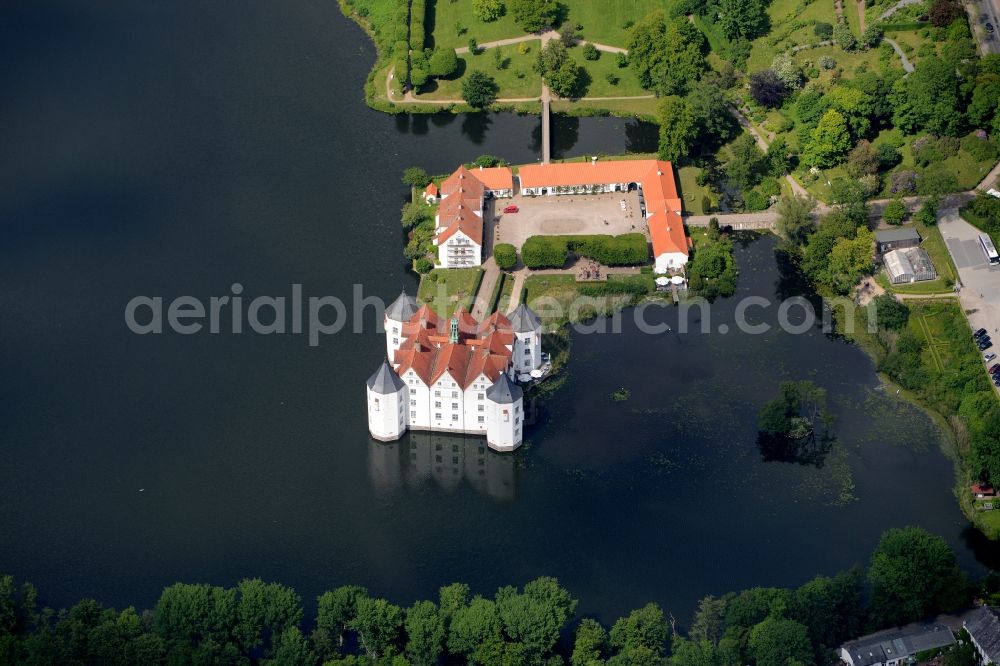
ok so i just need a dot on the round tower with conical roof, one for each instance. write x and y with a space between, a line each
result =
504 414
397 314
387 401
528 339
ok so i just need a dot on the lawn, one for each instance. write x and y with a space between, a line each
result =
630 108
784 34
603 21
557 301
444 289
598 71
694 195
516 80
504 296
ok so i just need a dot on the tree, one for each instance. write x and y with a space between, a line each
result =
710 620
677 127
292 649
744 19
778 158
862 160
767 88
534 15
416 213
890 313
505 255
795 219
264 607
590 52
894 212
786 70
830 608
844 38
474 627
666 54
192 613
443 63
377 623
642 636
479 90
928 211
590 644
416 177
913 574
779 642
488 10
828 142
872 35
747 164
424 634
565 81
535 617
710 106
337 609
928 99
851 258
943 12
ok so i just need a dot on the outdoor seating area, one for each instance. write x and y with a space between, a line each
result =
590 272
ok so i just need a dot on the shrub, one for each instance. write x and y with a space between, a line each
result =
826 62
979 149
823 30
611 78
895 212
590 52
552 251
754 201
844 37
488 10
423 265
615 288
544 252
505 255
473 46
443 63
621 59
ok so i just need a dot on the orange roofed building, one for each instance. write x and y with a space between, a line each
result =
654 179
459 222
453 375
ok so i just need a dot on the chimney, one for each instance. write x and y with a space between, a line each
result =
593 160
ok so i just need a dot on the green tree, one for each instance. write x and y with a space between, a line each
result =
293 649
863 160
505 255
442 63
677 127
913 574
264 607
689 652
746 166
450 599
830 608
534 15
590 645
377 624
710 620
551 57
416 213
336 611
565 81
416 177
479 90
928 99
195 613
641 636
424 634
488 10
744 19
779 642
890 313
894 212
710 107
795 218
535 617
928 211
666 54
850 259
474 627
829 142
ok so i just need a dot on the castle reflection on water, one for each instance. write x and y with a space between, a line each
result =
447 460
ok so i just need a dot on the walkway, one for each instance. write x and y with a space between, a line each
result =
491 275
907 65
766 219
744 122
899 5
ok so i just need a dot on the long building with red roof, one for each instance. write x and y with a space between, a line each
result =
453 375
459 222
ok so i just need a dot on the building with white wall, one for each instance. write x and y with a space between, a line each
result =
459 221
456 375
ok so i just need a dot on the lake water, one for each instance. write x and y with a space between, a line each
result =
176 148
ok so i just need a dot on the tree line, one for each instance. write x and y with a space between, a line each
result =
911 574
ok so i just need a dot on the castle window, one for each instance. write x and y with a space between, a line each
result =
413 415
517 410
454 417
437 394
482 408
437 416
482 419
395 330
506 416
517 421
438 404
375 406
527 352
413 403
413 391
482 395
437 459
395 341
454 394
454 405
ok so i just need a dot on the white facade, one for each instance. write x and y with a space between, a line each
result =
593 188
669 261
387 414
505 424
460 251
528 351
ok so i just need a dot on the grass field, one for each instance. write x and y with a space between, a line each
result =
603 21
693 195
516 80
782 13
557 301
445 289
597 84
638 108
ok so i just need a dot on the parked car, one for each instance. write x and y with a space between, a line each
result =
984 345
980 333
511 209
995 369
989 357
989 26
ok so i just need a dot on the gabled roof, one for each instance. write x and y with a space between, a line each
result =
385 381
402 308
896 235
524 320
984 627
504 391
495 178
461 206
431 190
666 231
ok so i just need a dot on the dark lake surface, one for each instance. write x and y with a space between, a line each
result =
169 149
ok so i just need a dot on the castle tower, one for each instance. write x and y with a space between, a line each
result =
528 343
395 316
504 414
387 401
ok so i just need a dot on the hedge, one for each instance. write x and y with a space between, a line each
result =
552 251
417 14
505 255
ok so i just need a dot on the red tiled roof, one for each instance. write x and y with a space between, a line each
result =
461 199
482 348
983 489
432 190
495 178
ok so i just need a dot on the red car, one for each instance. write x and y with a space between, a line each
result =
511 209
995 369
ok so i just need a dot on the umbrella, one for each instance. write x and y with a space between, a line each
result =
662 281
677 279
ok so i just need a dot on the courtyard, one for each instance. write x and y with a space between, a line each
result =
564 215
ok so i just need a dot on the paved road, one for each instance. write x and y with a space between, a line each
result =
980 293
980 13
491 274
907 65
763 220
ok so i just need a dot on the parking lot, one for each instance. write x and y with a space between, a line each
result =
567 214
